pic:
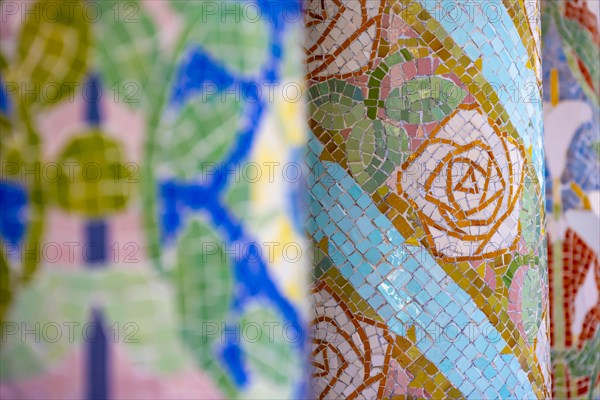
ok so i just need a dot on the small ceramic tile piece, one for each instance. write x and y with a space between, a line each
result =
426 204
571 45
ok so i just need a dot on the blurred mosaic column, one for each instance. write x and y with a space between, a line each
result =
572 141
426 206
151 227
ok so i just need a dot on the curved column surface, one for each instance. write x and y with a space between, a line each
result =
426 207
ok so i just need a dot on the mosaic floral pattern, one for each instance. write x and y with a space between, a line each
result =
426 207
571 112
181 258
468 201
350 355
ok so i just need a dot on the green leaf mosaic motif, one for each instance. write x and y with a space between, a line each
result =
230 33
336 104
94 181
127 50
204 287
532 303
53 50
373 152
202 134
266 338
424 100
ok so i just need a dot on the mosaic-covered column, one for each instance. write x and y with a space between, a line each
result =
427 193
572 142
151 231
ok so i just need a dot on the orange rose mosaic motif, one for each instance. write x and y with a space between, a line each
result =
465 182
343 37
350 354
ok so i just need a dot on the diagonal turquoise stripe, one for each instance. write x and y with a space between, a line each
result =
412 289
484 29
